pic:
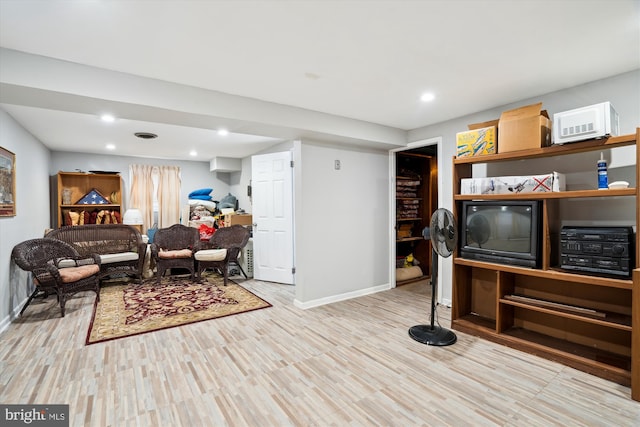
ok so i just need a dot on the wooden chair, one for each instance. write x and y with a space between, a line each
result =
173 247
57 268
222 250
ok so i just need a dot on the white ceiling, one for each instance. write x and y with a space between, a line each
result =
363 60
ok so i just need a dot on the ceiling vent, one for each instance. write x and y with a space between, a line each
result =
146 135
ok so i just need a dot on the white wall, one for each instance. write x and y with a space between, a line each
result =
623 91
341 223
195 175
32 213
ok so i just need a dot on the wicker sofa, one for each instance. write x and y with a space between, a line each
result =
120 247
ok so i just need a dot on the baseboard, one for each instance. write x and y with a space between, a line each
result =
341 297
4 324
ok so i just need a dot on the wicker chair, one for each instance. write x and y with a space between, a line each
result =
58 268
172 247
222 250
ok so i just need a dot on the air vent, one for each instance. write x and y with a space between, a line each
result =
146 135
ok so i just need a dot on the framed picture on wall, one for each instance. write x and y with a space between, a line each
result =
7 183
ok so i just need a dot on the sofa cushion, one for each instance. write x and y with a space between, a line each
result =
121 257
66 263
179 253
211 255
73 274
70 262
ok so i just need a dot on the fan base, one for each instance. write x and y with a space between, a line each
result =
432 335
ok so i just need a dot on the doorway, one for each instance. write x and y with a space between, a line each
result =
272 193
415 195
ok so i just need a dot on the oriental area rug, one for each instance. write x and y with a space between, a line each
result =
127 309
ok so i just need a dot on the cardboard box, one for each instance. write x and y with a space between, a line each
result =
524 128
551 182
235 219
480 139
404 231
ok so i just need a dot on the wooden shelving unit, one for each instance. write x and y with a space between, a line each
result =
591 323
414 174
79 184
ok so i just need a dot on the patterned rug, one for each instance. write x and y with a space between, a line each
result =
132 309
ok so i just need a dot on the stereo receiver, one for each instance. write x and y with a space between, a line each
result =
598 250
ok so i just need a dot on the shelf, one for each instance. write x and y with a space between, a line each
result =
473 324
626 192
585 321
554 274
96 206
611 366
413 280
613 320
554 150
409 239
408 219
77 185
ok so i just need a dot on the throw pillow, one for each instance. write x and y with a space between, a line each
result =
201 192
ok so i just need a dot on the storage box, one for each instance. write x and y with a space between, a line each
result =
235 219
404 231
480 139
524 128
550 182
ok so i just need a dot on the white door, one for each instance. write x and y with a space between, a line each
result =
272 194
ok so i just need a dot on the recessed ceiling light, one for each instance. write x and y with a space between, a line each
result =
110 147
427 97
223 132
193 153
107 118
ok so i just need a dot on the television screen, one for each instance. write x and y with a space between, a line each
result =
501 231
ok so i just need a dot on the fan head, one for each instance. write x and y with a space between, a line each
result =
443 232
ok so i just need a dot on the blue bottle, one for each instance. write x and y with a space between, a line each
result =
603 178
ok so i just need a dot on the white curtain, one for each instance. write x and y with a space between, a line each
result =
169 184
141 193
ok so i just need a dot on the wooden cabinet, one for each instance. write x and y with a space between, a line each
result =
591 323
72 186
415 196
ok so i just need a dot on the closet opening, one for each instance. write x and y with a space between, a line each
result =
415 199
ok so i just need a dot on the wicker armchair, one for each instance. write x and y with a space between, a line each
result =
172 247
222 250
58 268
119 246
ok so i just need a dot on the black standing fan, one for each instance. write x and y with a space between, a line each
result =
444 237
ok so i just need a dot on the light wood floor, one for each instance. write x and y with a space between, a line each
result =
346 364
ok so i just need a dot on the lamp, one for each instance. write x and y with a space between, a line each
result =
133 217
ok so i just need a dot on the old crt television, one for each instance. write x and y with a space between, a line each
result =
504 232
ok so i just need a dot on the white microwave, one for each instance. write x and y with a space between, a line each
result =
593 121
